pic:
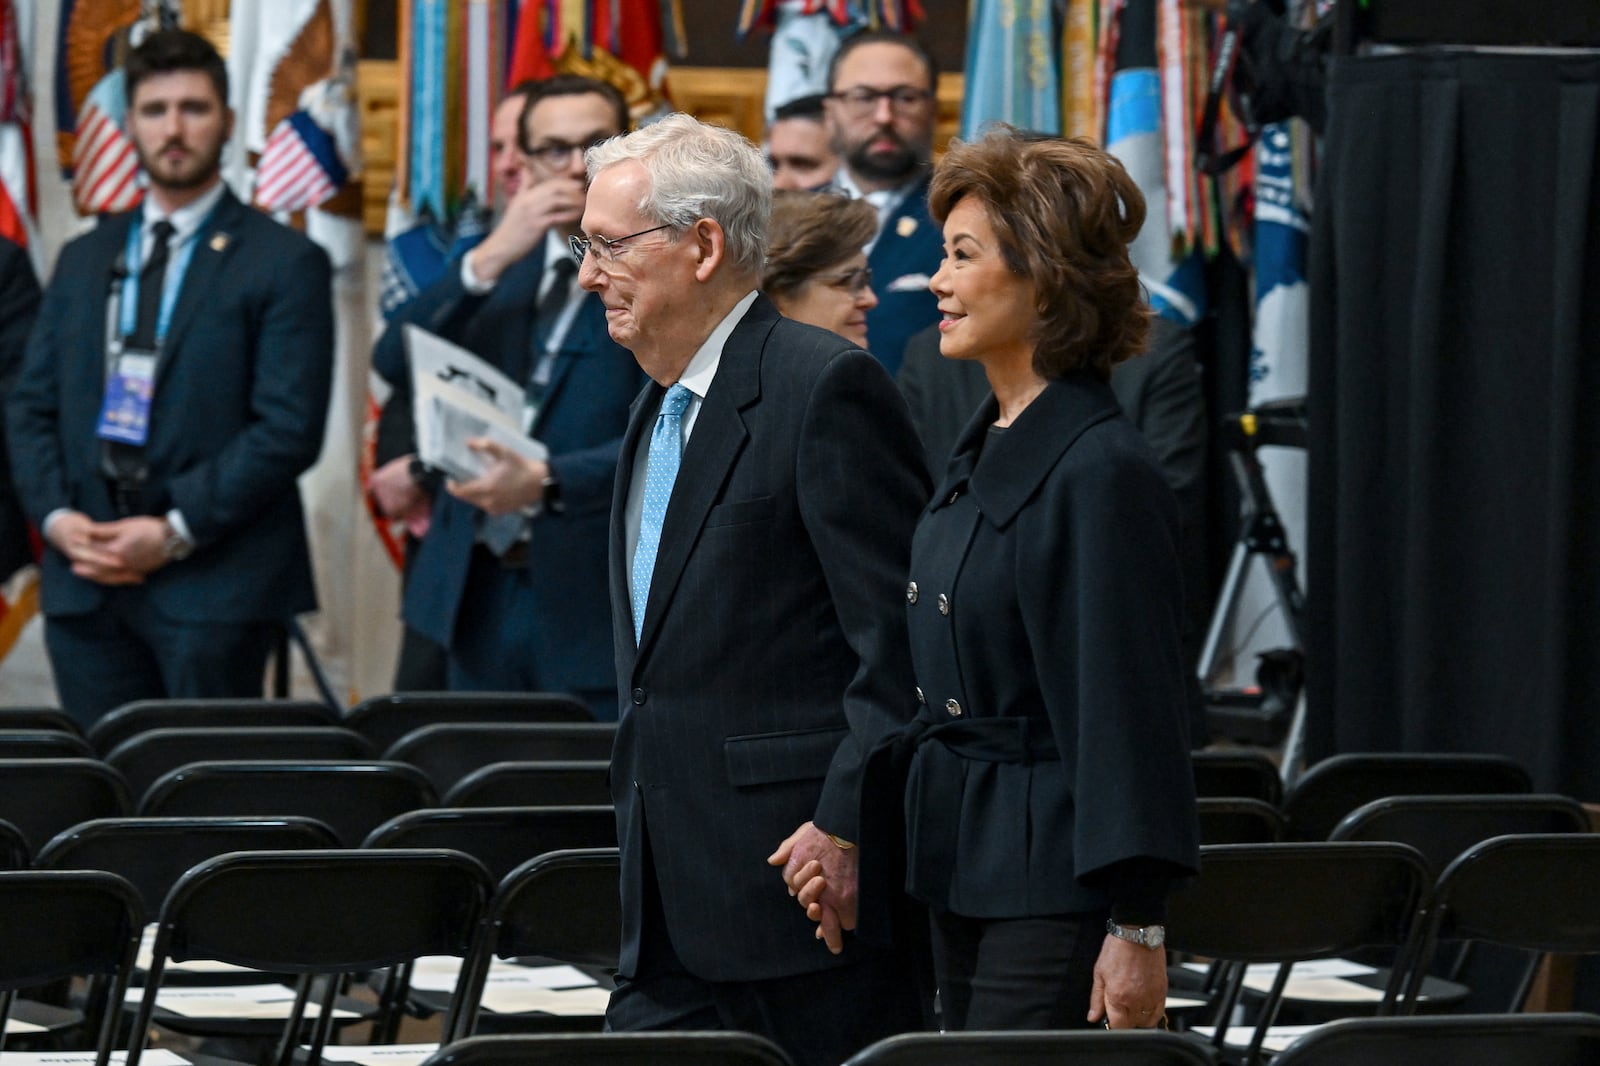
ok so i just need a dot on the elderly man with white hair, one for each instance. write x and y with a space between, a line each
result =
766 493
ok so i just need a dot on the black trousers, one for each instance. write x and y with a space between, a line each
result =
1016 973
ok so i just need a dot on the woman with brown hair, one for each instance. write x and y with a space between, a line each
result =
816 269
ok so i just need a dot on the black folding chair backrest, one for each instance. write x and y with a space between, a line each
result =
1135 1048
153 853
533 784
351 798
39 718
385 719
142 715
15 854
61 924
43 744
502 838
1535 893
1237 774
145 757
565 906
447 753
1238 821
1442 827
1338 785
317 913
1284 903
613 1049
1451 1040
41 797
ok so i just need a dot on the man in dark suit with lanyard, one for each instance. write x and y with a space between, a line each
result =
19 300
157 433
881 108
511 575
767 488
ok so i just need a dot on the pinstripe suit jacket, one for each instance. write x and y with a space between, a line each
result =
774 650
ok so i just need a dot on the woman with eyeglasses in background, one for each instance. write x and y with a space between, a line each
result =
816 268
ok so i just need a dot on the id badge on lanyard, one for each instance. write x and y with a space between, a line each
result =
125 415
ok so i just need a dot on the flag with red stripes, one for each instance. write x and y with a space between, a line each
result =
105 167
299 166
18 195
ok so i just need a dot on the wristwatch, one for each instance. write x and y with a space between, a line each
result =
175 547
1150 936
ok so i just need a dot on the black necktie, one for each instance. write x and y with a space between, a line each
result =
546 315
152 280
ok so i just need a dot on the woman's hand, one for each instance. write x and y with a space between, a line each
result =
1130 985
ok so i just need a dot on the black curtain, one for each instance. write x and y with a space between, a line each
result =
1454 544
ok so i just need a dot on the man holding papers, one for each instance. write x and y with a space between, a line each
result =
511 576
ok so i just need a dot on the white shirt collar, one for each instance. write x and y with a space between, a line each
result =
186 219
697 376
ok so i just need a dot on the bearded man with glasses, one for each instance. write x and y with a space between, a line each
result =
881 109
511 575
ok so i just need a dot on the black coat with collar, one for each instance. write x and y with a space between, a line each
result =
19 300
1044 613
241 399
774 648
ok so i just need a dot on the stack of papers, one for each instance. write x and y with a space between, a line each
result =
263 1002
514 989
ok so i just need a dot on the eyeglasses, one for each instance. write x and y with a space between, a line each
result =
862 101
556 153
605 248
853 281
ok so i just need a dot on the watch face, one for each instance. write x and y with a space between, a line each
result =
1154 936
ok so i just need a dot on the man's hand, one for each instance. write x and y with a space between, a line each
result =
509 484
399 497
535 210
111 553
822 877
1130 985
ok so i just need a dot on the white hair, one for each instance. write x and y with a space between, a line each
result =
699 171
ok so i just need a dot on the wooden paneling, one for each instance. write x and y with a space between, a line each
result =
378 97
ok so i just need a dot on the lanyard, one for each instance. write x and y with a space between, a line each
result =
172 286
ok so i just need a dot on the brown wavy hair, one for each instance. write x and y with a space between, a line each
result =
810 232
1064 212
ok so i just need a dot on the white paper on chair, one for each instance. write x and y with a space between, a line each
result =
381 1055
1319 979
16 1026
152 1056
147 956
265 1002
438 973
521 998
1278 1036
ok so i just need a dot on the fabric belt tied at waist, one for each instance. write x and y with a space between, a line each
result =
1018 739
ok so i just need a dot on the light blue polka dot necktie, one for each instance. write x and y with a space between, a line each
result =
661 470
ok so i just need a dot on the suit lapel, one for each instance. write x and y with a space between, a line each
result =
719 436
213 244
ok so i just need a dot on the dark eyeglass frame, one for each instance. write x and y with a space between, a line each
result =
580 247
556 153
854 282
903 99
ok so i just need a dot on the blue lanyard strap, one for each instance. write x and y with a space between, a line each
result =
171 287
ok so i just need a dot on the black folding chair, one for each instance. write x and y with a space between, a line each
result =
613 1049
14 851
1333 788
145 757
317 914
1287 903
43 744
1237 774
533 784
39 718
565 906
447 753
1238 821
1534 893
132 718
59 925
502 838
1141 1047
41 797
1451 1040
351 798
1442 827
385 719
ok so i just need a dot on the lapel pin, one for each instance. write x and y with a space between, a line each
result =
906 227
219 242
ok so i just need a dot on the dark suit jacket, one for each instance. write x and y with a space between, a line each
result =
19 301
907 253
241 399
1044 622
584 412
774 652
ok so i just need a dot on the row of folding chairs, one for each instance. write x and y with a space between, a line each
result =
1243 799
311 915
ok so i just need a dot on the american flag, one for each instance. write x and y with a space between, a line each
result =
299 166
105 167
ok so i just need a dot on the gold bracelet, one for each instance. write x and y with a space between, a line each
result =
842 845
